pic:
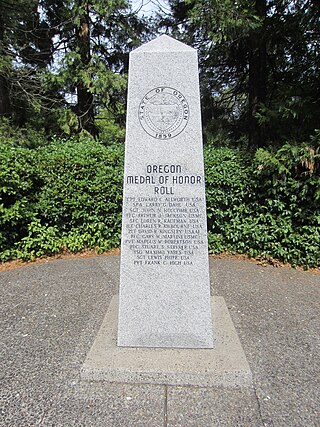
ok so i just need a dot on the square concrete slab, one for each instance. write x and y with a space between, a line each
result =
224 365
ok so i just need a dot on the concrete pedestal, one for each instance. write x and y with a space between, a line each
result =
224 365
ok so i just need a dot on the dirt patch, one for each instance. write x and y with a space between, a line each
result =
262 261
9 265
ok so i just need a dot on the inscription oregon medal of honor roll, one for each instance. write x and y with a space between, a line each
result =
164 112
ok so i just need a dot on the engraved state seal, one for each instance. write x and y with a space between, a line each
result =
164 112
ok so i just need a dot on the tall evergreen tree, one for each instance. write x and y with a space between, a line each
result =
69 56
93 42
259 63
25 48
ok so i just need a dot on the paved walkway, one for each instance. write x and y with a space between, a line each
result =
52 311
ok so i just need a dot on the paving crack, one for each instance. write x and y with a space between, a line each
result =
165 410
259 407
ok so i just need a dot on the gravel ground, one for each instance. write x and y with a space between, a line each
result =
51 312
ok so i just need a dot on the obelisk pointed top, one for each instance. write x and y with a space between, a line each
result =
163 43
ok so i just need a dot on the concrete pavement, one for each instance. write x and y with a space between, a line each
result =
52 311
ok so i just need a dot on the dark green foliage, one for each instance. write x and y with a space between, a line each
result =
16 195
65 196
267 205
287 188
81 183
228 189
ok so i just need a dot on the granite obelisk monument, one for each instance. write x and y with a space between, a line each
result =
164 277
160 328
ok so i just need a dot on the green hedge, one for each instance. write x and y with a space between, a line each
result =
67 195
265 203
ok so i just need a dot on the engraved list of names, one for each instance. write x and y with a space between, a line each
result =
164 228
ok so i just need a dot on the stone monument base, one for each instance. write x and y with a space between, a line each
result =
224 365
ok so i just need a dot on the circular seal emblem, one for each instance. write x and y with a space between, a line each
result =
163 112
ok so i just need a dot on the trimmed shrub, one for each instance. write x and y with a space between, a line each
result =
17 195
265 203
67 195
64 196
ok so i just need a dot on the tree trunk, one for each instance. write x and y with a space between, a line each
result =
4 97
85 99
257 77
4 89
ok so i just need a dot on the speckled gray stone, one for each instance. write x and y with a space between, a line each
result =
164 278
224 365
